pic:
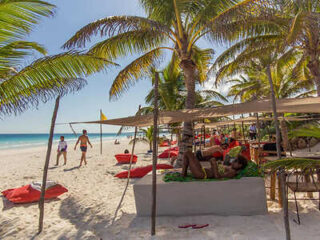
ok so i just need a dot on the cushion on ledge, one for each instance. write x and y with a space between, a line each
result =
140 172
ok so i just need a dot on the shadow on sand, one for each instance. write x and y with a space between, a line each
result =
83 218
71 169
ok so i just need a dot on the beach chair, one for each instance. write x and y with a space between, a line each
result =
300 185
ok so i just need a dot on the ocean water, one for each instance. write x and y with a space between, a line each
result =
10 141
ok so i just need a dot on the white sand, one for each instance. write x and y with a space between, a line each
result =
87 210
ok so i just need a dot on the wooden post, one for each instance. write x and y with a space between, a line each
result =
100 133
46 165
259 138
244 138
282 177
154 157
273 178
204 135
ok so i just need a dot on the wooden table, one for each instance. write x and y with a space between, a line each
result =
310 155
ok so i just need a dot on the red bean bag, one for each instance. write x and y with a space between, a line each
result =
29 193
140 172
125 158
164 144
166 154
172 149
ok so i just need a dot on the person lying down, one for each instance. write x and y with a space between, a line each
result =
215 171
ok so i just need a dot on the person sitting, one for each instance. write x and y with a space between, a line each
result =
126 151
216 171
116 141
214 151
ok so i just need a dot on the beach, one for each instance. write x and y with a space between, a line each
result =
87 210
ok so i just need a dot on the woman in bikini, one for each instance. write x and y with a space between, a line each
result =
216 171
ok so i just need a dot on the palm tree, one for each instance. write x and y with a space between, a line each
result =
147 138
301 30
175 25
44 79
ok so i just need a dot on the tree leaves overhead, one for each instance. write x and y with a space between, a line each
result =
175 25
130 42
47 78
138 69
111 26
18 17
22 87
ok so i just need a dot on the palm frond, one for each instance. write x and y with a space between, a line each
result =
137 140
136 70
13 53
19 16
112 26
292 163
138 41
307 131
46 78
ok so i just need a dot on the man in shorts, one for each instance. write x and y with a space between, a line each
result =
62 149
84 140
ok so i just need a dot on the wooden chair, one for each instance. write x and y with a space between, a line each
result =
300 185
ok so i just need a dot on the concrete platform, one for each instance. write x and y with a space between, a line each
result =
245 196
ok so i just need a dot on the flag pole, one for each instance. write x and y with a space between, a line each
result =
100 133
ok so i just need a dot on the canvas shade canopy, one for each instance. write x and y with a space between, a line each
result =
293 105
249 120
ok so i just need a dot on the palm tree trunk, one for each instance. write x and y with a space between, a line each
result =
284 133
314 67
282 173
189 70
46 165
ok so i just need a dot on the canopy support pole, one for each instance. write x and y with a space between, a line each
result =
282 176
129 171
154 157
100 133
46 165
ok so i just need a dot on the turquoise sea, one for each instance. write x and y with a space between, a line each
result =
9 141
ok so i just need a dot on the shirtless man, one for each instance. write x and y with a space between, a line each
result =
83 139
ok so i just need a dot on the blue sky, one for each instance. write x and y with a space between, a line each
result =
84 105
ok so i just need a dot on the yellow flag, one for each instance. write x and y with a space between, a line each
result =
102 116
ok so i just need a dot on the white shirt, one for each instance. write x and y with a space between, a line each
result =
62 146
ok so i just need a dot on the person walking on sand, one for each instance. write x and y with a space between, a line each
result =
62 149
84 140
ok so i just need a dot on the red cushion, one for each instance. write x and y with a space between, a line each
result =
166 154
172 149
164 144
173 142
141 171
27 194
125 158
217 154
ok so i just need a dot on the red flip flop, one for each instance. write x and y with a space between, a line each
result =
187 226
198 226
